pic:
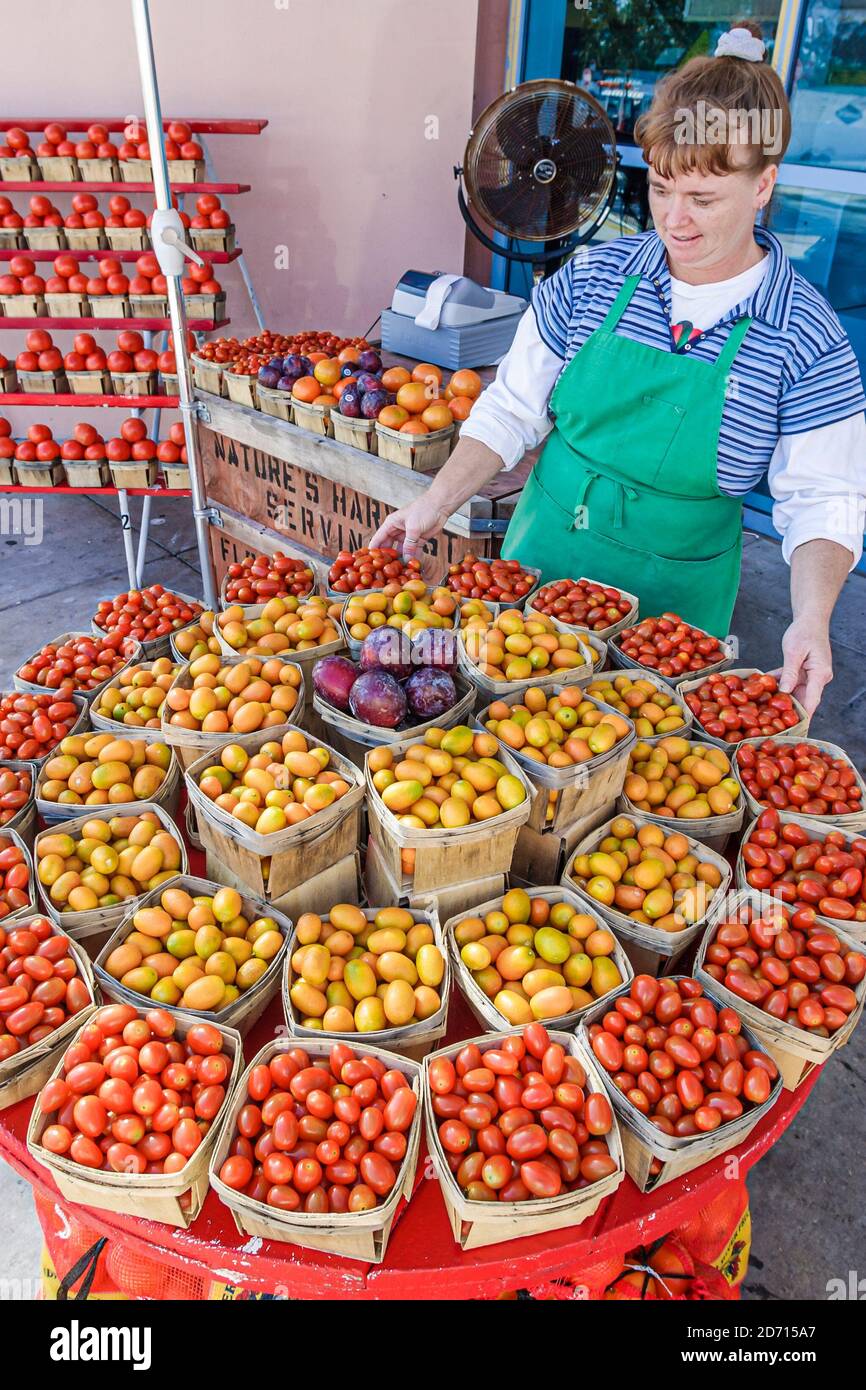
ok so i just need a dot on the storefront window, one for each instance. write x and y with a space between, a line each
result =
618 50
829 98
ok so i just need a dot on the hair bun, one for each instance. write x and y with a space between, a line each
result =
741 42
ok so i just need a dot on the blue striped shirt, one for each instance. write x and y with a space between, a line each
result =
795 371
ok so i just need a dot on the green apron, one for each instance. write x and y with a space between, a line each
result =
625 490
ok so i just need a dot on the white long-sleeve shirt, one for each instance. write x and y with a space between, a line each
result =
817 477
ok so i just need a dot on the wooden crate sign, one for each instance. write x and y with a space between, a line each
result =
320 514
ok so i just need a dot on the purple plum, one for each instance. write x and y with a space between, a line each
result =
269 376
350 403
292 365
370 361
376 698
348 369
372 403
286 383
387 649
278 363
431 692
306 367
333 679
368 382
435 646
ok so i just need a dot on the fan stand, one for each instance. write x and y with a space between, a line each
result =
555 254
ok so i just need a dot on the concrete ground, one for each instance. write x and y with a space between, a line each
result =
807 1193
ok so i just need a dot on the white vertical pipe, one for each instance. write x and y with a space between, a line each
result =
176 307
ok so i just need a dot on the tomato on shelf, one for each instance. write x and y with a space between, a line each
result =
798 973
144 613
823 876
678 1059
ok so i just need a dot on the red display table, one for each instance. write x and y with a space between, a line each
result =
422 1260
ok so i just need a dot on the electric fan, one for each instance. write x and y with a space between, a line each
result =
540 165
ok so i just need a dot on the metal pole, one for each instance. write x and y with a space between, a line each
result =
176 307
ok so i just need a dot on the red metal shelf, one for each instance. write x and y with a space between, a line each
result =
100 491
147 325
47 399
199 126
13 186
7 252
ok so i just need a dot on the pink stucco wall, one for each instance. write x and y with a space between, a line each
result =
344 175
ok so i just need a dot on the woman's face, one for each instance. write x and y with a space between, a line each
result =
706 220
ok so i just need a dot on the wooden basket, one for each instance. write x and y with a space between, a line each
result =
134 383
338 883
239 387
605 633
45 238
855 821
478 1224
645 944
186 170
619 658
714 831
796 1051
99 170
444 857
208 239
55 813
248 1007
90 383
280 404
8 376
66 306
540 857
210 376
296 853
173 1199
132 653
7 472
102 921
136 170
127 238
175 477
355 739
89 473
457 899
797 731
359 434
482 1005
26 1072
819 829
133 473
40 474
353 1235
206 306
11 239
61 168
45 383
490 689
425 453
108 306
23 306
101 724
573 792
86 238
8 837
642 1142
413 1040
147 306
315 418
19 169
24 821
191 745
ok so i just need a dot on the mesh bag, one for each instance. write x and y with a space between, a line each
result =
138 1277
719 1235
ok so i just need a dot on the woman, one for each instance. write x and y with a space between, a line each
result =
679 367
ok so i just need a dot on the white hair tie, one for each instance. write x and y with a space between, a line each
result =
740 43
